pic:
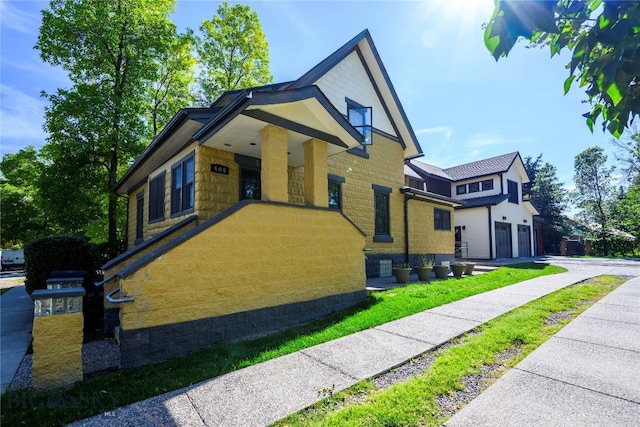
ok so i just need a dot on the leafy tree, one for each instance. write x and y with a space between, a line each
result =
532 167
602 36
626 213
74 192
233 52
22 218
549 197
171 89
594 190
112 51
628 154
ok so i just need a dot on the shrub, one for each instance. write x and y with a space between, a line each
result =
48 254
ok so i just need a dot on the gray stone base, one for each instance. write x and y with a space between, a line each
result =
140 347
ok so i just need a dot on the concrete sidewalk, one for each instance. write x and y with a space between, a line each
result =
261 394
586 375
16 323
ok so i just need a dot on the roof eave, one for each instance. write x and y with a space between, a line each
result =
311 76
173 124
432 197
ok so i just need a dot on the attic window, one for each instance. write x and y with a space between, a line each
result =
360 118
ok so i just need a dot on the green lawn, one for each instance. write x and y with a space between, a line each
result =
413 402
99 393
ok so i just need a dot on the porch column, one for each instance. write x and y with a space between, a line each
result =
315 173
274 175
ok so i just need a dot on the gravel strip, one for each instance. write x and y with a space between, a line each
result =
403 372
474 384
96 356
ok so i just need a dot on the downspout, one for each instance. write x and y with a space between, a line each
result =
532 243
501 184
406 226
490 234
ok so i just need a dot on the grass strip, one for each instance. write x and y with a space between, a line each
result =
413 402
99 393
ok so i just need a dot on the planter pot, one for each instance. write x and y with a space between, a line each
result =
402 274
441 271
423 273
468 268
457 270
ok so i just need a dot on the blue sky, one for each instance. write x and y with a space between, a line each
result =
462 105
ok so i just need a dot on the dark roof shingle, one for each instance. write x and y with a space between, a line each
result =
482 167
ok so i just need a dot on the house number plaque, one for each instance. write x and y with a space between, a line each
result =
220 169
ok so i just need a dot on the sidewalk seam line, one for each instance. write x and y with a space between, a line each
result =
377 328
186 393
335 368
480 322
609 320
592 343
575 385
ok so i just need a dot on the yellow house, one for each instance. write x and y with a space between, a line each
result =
269 209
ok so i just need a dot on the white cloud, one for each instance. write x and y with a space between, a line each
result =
430 38
21 117
446 131
481 141
20 17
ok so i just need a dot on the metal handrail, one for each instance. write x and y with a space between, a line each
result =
112 300
459 246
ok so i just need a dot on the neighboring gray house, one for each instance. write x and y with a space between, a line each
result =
495 220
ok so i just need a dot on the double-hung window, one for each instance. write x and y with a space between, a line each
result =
182 185
474 187
381 214
441 219
360 118
156 198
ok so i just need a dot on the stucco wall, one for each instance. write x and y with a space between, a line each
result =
384 167
423 237
262 255
215 192
57 350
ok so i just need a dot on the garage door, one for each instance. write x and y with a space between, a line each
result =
503 240
524 242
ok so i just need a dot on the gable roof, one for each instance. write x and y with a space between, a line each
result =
428 170
363 45
278 103
482 167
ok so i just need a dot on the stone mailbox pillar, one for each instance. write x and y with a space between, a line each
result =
57 337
